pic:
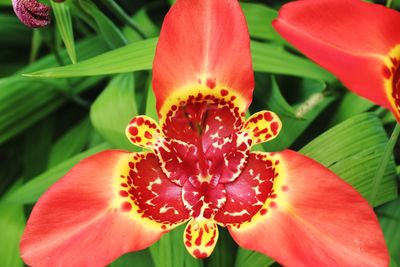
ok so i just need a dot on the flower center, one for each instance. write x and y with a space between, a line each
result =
396 87
391 74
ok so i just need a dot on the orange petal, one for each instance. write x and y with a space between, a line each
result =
352 39
204 45
313 218
89 217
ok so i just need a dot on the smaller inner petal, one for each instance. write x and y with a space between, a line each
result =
143 131
200 237
263 126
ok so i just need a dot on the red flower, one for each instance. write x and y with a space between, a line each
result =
201 170
32 13
357 41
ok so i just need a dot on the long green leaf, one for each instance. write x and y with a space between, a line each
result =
113 109
259 18
353 150
24 101
139 56
64 25
389 218
71 143
32 190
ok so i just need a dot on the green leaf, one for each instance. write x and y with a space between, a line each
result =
224 251
387 156
111 34
139 258
132 57
246 258
169 251
113 110
12 223
64 25
350 105
139 56
274 59
28 100
389 218
32 190
293 126
71 143
353 150
259 20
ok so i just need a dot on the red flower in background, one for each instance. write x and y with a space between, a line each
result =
32 13
357 41
201 170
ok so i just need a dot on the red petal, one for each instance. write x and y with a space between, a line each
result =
203 43
350 38
157 197
247 194
85 219
315 219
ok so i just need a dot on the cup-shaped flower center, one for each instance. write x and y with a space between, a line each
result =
203 143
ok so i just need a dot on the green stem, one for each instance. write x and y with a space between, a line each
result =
387 153
388 3
118 11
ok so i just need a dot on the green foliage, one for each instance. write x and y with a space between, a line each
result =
54 114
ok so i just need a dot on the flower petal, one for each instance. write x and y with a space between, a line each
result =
262 126
32 13
203 44
314 219
87 218
350 38
200 237
247 194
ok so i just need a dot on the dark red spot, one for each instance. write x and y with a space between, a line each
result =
174 107
140 121
138 139
274 127
148 135
268 116
126 206
133 130
210 83
124 185
163 227
188 244
263 211
386 72
123 193
224 92
200 255
199 238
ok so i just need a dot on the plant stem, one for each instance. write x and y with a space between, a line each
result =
388 3
383 163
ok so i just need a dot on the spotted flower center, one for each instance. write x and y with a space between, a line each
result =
391 74
203 144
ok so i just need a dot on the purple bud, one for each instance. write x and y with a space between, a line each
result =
32 13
